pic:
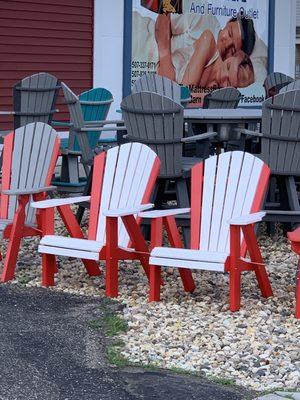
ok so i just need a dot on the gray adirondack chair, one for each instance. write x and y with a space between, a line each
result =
280 149
274 82
29 158
34 99
80 128
152 82
157 121
295 85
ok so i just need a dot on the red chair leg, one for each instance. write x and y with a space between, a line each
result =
174 237
14 240
111 287
155 280
49 268
235 271
298 292
92 267
255 255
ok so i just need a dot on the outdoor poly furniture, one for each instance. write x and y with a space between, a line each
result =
225 98
295 242
280 149
80 128
224 117
295 85
158 121
29 158
34 99
152 82
95 104
274 82
226 197
123 181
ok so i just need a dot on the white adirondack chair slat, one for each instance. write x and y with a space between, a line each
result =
189 264
66 252
71 243
208 199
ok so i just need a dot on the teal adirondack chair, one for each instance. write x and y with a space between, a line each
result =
95 104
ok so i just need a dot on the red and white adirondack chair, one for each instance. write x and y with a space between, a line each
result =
295 242
29 158
226 198
123 180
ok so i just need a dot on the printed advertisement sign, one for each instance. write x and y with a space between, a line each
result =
203 44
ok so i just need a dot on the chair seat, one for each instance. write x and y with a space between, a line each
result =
186 258
70 247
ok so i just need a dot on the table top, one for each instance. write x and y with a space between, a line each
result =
221 114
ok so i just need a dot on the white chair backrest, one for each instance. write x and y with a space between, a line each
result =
230 187
127 174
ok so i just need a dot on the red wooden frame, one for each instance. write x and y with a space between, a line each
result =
234 264
111 253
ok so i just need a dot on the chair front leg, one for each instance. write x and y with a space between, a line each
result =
255 255
155 270
49 266
235 269
15 237
111 286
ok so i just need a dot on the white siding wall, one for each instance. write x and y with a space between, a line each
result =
108 49
285 36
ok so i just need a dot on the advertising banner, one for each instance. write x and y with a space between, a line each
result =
203 44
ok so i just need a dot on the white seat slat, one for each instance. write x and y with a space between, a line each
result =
177 263
71 243
59 251
188 254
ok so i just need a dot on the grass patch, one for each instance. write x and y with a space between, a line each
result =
114 325
115 357
221 381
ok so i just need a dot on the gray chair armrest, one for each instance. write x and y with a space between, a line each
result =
201 136
19 192
248 132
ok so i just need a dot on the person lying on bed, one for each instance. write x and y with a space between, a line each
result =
207 62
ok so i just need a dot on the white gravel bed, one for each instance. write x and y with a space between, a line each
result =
257 347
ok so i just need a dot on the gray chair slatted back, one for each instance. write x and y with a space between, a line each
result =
222 98
158 84
77 121
31 158
295 85
35 98
281 133
276 81
157 121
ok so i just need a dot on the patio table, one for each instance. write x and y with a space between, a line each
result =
224 118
